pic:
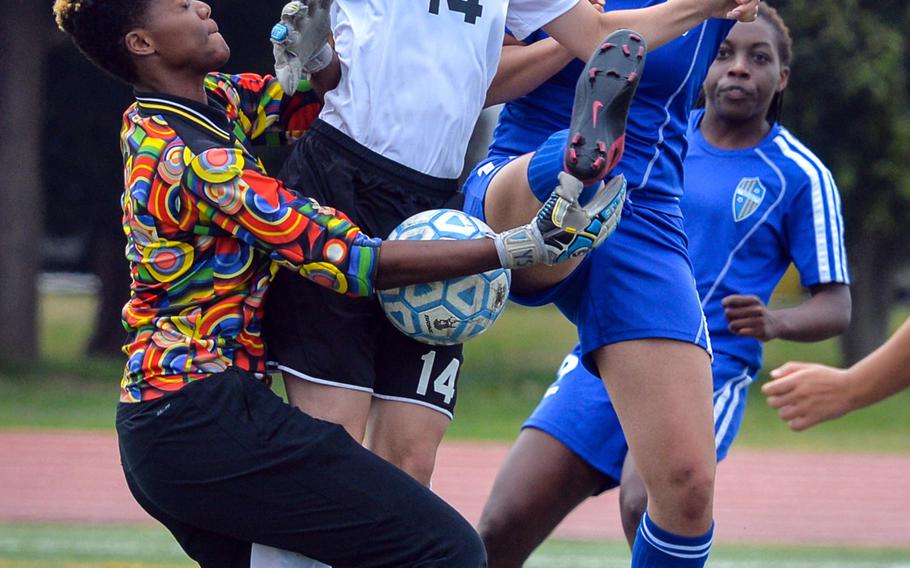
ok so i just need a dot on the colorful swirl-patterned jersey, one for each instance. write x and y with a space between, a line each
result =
207 229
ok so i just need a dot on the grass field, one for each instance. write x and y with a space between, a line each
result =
45 546
505 373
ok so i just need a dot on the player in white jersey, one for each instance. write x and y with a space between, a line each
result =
412 79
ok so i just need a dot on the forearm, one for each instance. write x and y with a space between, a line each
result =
824 315
884 372
327 79
582 29
408 262
658 24
561 230
523 68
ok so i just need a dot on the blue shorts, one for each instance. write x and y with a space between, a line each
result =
638 285
577 411
476 184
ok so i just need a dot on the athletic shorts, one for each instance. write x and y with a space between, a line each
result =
476 184
577 411
638 285
224 462
321 336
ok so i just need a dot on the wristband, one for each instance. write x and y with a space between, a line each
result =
320 60
519 247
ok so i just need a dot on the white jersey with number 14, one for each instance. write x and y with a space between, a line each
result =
415 72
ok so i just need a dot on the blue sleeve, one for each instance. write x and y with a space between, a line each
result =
534 36
814 225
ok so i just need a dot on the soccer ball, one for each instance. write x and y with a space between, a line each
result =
451 311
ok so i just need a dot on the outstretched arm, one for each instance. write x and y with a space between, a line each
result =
560 231
318 242
323 245
406 262
806 394
523 68
582 28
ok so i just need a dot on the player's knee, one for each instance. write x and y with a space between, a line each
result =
632 504
419 465
692 486
413 452
415 460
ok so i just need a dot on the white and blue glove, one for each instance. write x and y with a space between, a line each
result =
300 41
563 229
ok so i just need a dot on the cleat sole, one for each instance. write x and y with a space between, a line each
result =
603 96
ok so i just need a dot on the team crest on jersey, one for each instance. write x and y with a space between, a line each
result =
748 196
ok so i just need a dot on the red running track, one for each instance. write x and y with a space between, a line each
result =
763 497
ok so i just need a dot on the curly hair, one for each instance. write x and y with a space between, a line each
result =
98 28
784 51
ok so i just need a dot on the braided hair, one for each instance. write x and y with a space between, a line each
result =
99 27
784 51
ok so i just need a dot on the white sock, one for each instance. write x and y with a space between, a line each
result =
263 556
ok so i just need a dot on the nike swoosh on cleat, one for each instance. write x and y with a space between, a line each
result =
596 106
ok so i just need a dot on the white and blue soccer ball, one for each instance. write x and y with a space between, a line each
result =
451 311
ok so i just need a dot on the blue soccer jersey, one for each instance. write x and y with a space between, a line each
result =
656 129
749 213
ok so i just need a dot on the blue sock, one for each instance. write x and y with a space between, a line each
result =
545 165
656 548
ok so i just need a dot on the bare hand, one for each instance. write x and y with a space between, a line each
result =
748 316
741 10
805 394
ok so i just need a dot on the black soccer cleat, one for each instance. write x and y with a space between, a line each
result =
603 95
